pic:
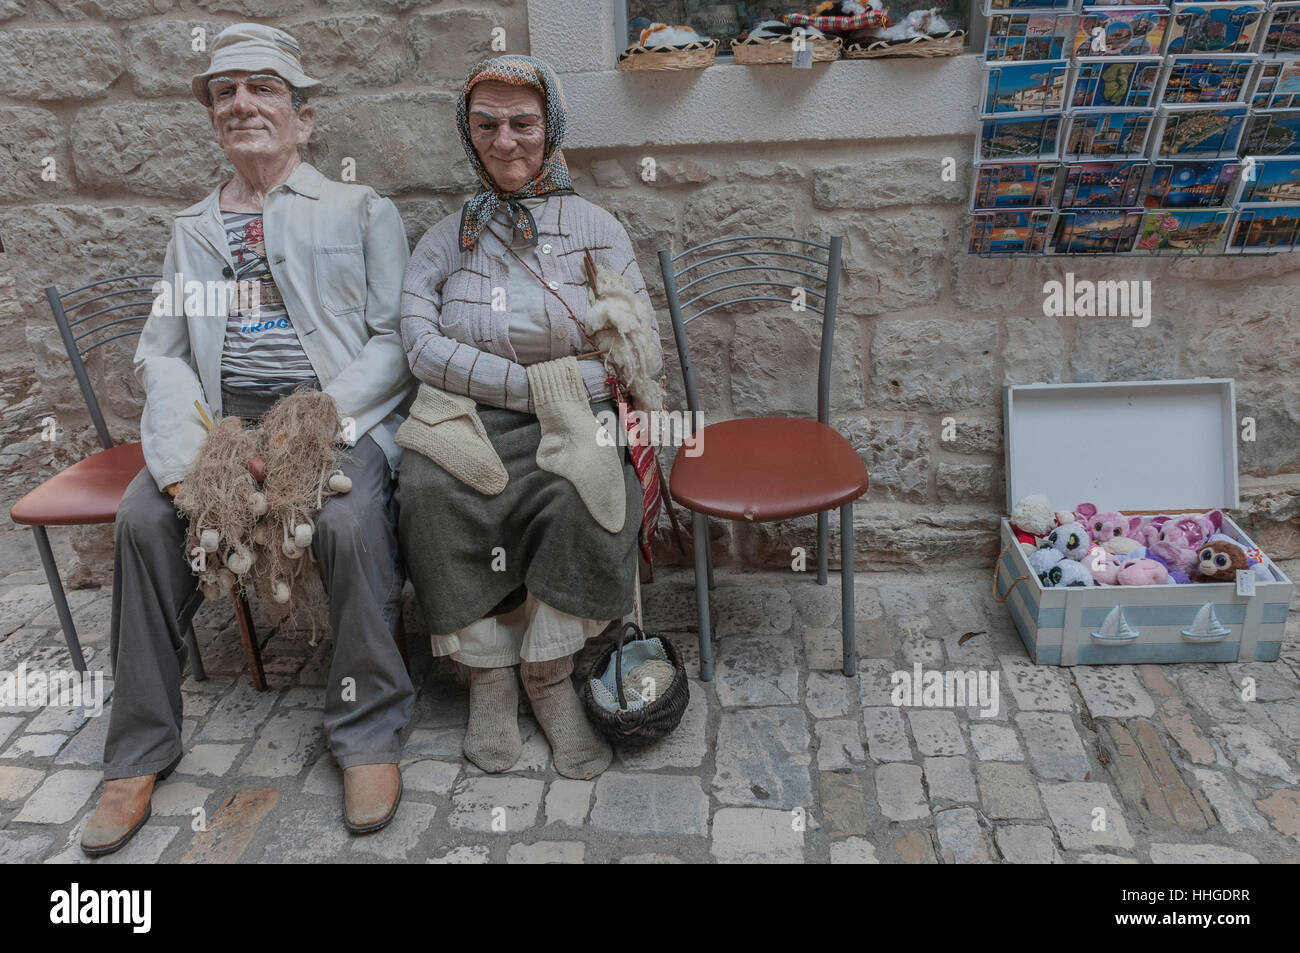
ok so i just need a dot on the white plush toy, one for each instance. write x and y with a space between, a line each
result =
1032 519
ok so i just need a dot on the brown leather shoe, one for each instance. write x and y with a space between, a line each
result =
122 810
371 793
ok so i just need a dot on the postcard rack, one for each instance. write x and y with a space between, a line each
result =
1138 130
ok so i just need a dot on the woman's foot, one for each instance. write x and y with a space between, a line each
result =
579 751
492 739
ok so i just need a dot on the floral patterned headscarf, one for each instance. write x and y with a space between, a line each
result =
551 179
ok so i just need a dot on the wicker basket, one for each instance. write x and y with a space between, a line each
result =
780 51
691 56
646 725
950 44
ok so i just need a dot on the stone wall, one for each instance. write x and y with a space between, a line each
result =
925 332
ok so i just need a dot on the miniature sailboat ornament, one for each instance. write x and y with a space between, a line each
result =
1206 627
1115 628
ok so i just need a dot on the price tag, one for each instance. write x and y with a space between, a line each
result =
802 58
1245 582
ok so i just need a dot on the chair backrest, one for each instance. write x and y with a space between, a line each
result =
687 276
75 320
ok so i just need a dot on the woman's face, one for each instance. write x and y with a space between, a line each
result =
507 125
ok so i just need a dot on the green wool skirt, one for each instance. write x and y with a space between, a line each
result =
466 553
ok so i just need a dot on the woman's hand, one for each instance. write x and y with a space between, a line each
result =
174 488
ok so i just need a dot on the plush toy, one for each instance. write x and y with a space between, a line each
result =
1043 559
1032 519
775 29
1114 532
1180 538
1104 565
1067 573
1142 572
848 8
1070 540
1221 556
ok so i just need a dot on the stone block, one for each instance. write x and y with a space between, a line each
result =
896 453
88 61
33 137
941 367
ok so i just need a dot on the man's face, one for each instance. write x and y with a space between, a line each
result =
508 127
254 119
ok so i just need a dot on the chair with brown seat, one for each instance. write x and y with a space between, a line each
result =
91 490
762 469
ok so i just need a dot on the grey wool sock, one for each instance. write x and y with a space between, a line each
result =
579 751
492 739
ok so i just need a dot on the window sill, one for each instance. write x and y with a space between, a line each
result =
727 103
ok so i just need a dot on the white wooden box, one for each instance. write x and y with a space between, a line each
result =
1137 447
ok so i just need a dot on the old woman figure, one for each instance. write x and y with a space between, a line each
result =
519 515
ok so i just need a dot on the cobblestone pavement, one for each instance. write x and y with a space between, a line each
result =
780 758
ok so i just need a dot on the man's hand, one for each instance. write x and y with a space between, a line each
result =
174 488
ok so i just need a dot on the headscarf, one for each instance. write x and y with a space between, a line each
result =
551 179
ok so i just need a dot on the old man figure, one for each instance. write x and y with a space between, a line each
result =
327 259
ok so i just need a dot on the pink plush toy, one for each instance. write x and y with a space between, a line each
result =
1142 572
1113 531
1180 537
1104 566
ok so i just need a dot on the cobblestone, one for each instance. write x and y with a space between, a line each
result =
779 759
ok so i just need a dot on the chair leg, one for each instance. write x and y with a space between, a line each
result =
700 531
708 555
252 651
196 660
60 598
823 545
846 589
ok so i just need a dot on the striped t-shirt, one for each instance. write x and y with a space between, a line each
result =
261 349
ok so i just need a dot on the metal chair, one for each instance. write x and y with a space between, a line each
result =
762 469
91 490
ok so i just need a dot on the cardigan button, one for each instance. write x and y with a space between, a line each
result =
546 249
562 333
554 285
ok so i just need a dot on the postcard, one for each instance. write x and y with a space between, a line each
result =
1206 79
1213 27
1096 231
1183 232
1192 184
1277 85
1282 36
1019 232
1272 180
1103 184
1120 31
1266 228
1035 35
1018 138
1200 132
1036 86
1014 185
1273 134
1118 134
1115 84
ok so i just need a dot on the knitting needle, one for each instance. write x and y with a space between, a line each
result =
207 423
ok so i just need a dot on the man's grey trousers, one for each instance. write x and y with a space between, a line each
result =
155 595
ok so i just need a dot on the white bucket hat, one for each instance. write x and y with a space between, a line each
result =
254 47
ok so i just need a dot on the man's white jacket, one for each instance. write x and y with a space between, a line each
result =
337 252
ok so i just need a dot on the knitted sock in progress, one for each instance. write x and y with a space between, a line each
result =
446 428
492 739
579 752
569 445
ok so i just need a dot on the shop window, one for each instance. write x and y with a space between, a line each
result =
725 21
